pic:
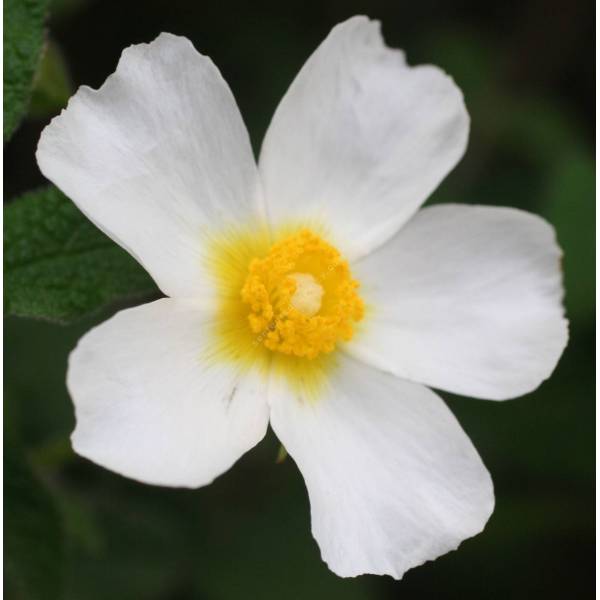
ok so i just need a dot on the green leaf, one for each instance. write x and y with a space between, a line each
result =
33 539
23 45
58 266
52 84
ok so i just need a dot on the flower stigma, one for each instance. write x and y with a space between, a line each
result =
301 297
308 294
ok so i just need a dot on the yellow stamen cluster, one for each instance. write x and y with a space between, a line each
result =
301 297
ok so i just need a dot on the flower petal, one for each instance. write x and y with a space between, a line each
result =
361 139
392 478
466 299
150 406
155 158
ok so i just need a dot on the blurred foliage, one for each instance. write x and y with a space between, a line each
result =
53 86
33 542
59 266
569 189
527 75
23 44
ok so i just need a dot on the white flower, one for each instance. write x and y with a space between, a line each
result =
307 292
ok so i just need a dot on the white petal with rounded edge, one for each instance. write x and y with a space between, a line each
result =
361 139
157 157
150 406
392 478
466 299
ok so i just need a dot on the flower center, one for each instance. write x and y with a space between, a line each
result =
301 297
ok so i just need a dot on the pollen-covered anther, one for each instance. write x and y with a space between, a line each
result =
301 297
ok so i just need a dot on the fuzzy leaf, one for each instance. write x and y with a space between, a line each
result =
58 266
23 45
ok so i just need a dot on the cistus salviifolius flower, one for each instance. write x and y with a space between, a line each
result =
309 291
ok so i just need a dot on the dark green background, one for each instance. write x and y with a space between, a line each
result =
526 69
